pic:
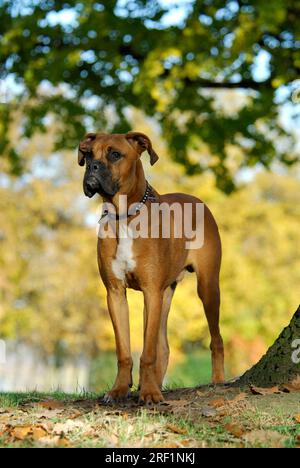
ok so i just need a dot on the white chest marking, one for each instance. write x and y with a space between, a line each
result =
124 261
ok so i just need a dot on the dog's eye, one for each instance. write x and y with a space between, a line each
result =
114 156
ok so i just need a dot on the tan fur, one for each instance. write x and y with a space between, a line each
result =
158 264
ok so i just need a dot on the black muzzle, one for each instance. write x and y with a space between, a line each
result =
98 179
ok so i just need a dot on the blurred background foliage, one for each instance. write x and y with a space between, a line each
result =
211 83
51 295
89 61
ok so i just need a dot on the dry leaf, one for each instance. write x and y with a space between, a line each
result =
76 414
20 432
265 438
6 417
297 418
235 430
48 414
69 426
208 412
176 429
25 432
169 445
51 404
241 396
223 412
217 403
56 441
293 386
177 406
187 442
113 441
38 432
264 391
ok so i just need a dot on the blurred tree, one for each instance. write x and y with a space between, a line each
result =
50 293
88 62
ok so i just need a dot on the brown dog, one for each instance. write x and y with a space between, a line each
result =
152 265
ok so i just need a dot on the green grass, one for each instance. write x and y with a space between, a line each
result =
132 426
14 399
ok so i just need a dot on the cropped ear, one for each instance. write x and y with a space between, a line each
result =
141 143
85 147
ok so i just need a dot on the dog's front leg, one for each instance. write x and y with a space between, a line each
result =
119 313
149 388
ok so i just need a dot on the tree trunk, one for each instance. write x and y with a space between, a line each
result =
281 363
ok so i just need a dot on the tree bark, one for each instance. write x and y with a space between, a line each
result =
280 364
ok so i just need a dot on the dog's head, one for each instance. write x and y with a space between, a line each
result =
111 161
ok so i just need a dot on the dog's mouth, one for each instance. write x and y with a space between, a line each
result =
90 188
93 186
89 193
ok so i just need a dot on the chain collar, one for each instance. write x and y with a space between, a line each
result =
148 195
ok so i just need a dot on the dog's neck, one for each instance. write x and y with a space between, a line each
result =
135 193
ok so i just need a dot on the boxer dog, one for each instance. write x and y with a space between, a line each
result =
151 264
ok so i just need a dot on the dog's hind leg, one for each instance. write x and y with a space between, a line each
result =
207 263
209 293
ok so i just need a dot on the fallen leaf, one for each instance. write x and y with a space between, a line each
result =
208 412
264 391
19 432
297 418
187 442
176 406
235 430
176 429
56 441
76 414
293 386
38 432
5 417
240 397
69 426
265 438
112 441
51 404
48 414
25 432
152 429
223 412
169 445
217 403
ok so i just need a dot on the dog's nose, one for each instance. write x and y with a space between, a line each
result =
94 167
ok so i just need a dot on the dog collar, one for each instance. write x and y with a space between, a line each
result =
148 195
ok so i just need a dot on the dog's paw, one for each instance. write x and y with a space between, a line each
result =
150 394
117 395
